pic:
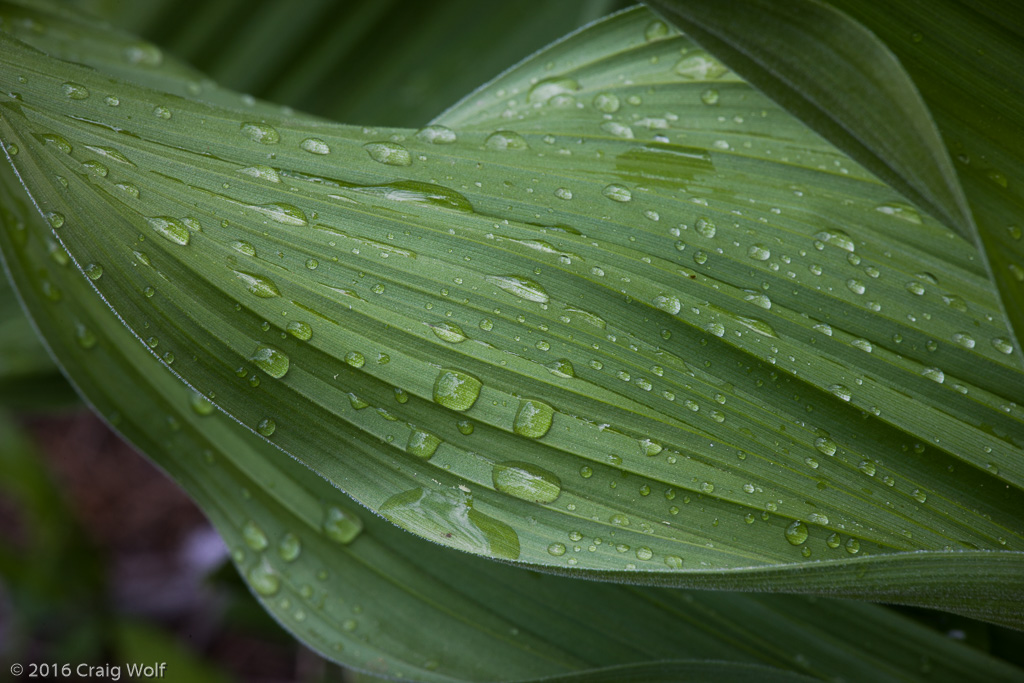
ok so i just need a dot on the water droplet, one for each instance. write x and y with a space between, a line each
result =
161 112
867 467
244 248
533 418
707 487
448 332
915 287
1002 345
699 66
422 444
841 391
56 220
263 287
264 580
561 368
143 54
341 526
717 329
527 482
267 427
261 132
863 345
200 404
263 172
456 390
650 448
852 546
254 537
796 533
289 548
448 517
644 553
548 88
617 129
667 302
505 140
170 229
563 193
836 238
74 91
355 359
390 153
317 146
899 210
520 287
465 427
606 102
825 445
556 549
934 374
94 271
919 495
855 286
709 96
655 30
437 135
300 330
759 252
272 361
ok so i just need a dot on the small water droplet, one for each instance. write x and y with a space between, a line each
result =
544 90
300 330
556 549
699 66
606 102
161 112
709 96
934 374
267 427
263 287
668 303
618 130
254 537
289 548
852 546
563 193
264 580
355 359
855 286
759 252
1002 345
520 287
796 533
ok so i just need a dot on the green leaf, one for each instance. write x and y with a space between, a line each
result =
616 294
359 591
902 88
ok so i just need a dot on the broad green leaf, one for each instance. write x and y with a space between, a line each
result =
902 88
361 592
616 294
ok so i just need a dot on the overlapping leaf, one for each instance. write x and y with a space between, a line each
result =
616 301
904 89
361 592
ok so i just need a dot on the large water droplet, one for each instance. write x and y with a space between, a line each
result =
699 66
544 90
448 332
667 302
289 548
448 517
533 418
286 214
437 135
272 361
422 444
315 146
456 390
759 252
74 91
300 330
505 140
261 132
825 445
526 481
606 102
264 580
170 229
796 533
341 526
254 537
617 193
520 287
261 286
390 153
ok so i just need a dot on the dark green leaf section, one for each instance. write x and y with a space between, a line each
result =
387 62
364 593
903 88
617 300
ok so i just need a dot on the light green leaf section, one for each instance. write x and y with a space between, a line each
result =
904 89
361 592
616 300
